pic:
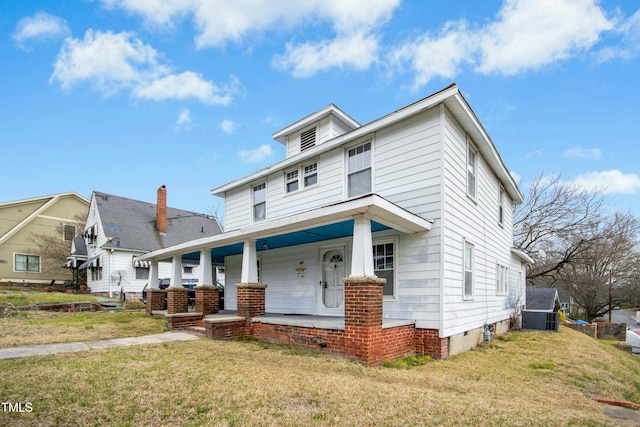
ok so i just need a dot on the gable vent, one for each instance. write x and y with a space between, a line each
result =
307 139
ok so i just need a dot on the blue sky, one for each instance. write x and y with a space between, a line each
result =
122 96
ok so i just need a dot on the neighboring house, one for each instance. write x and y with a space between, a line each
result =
57 215
119 229
419 197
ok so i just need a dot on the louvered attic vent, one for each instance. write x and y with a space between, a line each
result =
307 139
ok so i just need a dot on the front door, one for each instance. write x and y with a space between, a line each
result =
332 286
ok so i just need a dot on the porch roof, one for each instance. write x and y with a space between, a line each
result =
319 224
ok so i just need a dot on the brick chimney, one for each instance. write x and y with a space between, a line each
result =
161 210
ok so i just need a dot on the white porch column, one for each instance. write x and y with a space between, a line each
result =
249 263
153 275
176 272
205 275
362 251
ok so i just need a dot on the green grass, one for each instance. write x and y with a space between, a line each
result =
25 298
210 383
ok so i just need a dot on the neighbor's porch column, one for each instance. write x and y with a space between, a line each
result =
362 250
251 294
207 293
177 295
156 297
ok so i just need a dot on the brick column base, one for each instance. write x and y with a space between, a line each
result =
363 338
156 300
428 342
207 299
251 298
177 300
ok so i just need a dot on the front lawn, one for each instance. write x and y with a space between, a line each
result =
523 379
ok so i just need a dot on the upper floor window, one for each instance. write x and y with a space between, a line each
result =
469 254
292 181
307 139
359 170
69 232
311 175
472 170
501 205
29 263
260 202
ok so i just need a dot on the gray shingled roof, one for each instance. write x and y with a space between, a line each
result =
541 298
79 246
132 224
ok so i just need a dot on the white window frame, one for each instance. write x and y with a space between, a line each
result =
291 177
364 167
471 169
502 279
255 203
311 173
394 269
26 270
468 268
501 207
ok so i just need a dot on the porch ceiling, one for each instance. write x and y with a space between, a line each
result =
324 223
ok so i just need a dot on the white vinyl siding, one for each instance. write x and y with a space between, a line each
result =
359 170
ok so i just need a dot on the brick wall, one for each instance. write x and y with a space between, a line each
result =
612 331
429 343
184 320
225 330
250 299
398 342
325 340
156 300
363 339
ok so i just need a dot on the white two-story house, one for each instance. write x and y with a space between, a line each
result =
419 197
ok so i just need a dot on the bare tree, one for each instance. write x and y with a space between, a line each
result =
551 226
603 273
52 248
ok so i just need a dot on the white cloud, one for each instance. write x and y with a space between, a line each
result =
354 24
39 27
530 34
113 62
356 51
228 126
186 85
629 47
525 35
184 121
609 182
264 152
107 61
584 153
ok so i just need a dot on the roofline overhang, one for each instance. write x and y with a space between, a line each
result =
522 255
281 135
450 96
374 207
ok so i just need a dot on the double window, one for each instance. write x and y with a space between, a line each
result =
359 170
260 202
28 263
309 174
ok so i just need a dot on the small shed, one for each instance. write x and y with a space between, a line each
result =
541 309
